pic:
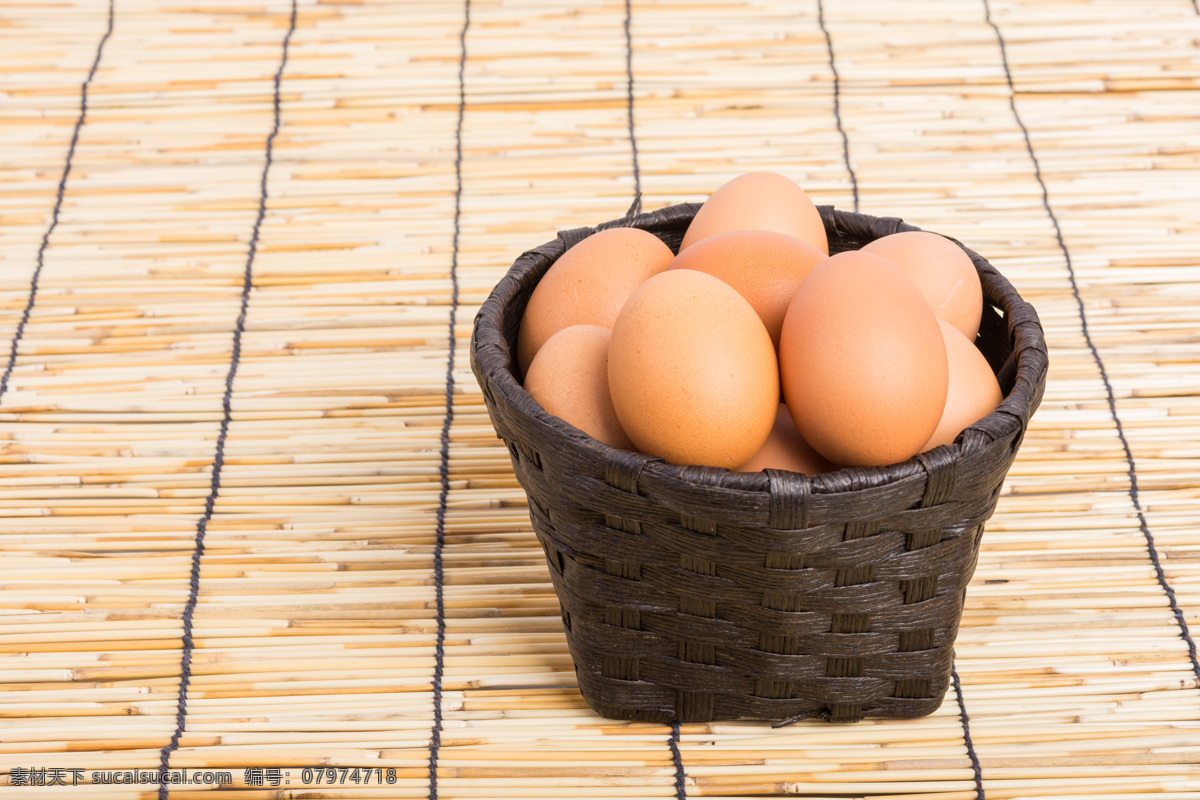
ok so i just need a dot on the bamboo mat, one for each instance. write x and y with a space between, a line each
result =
241 288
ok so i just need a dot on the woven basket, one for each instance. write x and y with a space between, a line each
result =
695 593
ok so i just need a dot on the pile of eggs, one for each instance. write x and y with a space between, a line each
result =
753 348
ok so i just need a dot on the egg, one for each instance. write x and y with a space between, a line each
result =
761 201
941 270
764 267
569 379
692 371
786 449
863 362
588 284
973 392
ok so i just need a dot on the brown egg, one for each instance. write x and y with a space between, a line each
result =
692 371
943 273
785 448
863 362
765 267
973 392
569 379
760 201
588 285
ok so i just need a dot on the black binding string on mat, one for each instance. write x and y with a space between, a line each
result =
837 109
976 767
677 758
439 667
1159 573
963 716
189 610
637 175
58 201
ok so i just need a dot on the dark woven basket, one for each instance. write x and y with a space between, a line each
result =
695 593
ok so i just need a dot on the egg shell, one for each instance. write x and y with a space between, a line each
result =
588 284
941 270
786 449
973 391
569 379
764 267
692 372
863 362
763 201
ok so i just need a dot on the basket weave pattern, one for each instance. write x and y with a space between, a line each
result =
696 594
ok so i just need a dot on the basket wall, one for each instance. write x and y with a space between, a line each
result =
695 594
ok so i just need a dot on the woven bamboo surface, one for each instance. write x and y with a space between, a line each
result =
364 555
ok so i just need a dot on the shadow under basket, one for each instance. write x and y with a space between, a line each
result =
694 593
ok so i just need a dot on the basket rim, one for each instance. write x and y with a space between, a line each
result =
492 362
